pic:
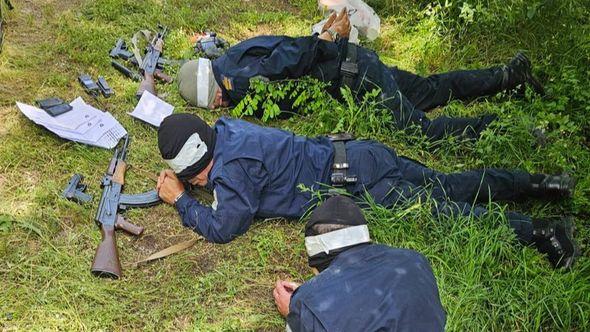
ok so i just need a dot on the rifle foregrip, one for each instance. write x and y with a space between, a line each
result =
119 175
128 227
106 260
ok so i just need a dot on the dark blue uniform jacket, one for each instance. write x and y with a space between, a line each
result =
370 288
277 58
256 172
282 57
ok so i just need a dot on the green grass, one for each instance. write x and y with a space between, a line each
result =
486 280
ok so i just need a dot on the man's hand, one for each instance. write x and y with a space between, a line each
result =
282 294
329 22
341 24
168 186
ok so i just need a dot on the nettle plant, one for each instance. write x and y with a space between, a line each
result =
268 100
317 112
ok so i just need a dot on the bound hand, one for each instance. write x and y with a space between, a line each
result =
168 186
341 24
282 294
329 22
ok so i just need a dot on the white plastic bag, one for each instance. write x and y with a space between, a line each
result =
363 19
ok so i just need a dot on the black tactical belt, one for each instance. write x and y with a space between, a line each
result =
349 68
339 176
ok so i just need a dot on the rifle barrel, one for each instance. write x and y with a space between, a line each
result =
124 150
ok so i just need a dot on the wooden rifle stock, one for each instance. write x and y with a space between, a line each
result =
147 84
106 260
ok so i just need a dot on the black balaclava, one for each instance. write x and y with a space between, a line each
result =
173 135
337 210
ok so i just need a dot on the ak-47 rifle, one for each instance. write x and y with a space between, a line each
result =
121 52
106 260
149 64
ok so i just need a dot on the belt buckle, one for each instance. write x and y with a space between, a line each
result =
338 179
341 137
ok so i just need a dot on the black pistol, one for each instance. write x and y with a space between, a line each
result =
120 51
74 191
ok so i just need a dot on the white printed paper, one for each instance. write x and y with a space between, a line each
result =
84 124
151 109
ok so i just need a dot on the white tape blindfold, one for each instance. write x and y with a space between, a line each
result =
324 243
206 84
192 151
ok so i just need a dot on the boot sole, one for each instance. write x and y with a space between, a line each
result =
530 79
568 263
571 184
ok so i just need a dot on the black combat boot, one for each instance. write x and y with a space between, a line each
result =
518 72
552 186
555 238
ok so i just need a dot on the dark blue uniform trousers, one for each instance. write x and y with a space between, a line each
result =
427 93
392 180
409 96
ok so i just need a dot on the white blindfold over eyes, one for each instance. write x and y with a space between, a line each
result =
205 83
192 151
324 243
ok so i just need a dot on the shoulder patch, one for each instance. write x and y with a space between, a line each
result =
227 82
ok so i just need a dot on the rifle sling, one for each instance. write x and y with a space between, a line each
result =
141 34
168 251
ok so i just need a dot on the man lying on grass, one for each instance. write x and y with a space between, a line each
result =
255 171
331 59
360 286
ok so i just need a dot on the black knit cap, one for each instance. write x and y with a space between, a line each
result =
173 133
337 210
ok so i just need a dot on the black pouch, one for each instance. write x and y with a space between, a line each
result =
89 85
105 89
54 106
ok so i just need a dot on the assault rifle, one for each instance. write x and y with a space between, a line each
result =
75 190
106 260
150 63
122 52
